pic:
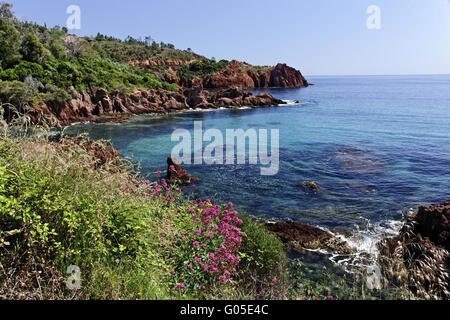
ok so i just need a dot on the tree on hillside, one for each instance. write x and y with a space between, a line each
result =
32 49
9 43
5 11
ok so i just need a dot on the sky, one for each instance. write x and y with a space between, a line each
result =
319 37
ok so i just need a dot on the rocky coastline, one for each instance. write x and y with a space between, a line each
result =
420 255
98 105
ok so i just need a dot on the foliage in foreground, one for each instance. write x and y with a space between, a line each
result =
131 238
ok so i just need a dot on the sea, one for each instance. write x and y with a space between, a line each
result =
377 147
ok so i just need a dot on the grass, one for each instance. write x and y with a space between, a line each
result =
59 207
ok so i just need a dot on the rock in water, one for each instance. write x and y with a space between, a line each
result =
311 186
301 236
176 174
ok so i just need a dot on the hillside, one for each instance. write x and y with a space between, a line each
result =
41 65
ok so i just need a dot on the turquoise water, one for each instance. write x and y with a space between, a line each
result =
376 146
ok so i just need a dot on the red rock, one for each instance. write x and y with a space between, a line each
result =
101 106
176 174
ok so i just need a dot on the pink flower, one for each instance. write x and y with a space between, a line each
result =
172 271
230 205
180 285
196 244
330 298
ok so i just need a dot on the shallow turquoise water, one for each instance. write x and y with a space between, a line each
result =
375 145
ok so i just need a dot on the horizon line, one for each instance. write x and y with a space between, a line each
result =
376 75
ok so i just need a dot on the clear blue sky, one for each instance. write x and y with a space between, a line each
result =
319 37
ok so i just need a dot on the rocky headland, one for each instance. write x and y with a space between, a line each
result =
235 74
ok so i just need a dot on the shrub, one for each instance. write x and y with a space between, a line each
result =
263 260
32 49
203 68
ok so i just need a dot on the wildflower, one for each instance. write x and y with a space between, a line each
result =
172 272
196 244
180 285
230 205
330 298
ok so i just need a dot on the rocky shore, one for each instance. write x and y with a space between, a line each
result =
419 256
98 105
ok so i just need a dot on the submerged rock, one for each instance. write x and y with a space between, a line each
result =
176 174
357 160
311 186
420 255
301 236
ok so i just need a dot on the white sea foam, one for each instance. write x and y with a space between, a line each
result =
366 254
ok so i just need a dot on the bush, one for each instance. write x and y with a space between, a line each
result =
32 49
263 260
202 69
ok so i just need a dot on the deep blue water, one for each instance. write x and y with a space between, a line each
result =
375 145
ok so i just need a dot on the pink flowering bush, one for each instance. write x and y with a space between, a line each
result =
209 246
206 248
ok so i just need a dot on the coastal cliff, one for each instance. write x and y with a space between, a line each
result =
235 74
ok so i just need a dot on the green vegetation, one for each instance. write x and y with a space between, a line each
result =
201 69
132 49
44 63
130 237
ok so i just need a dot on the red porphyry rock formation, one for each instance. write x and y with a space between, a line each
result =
243 75
101 106
236 74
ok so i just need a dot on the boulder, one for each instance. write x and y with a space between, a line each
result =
301 236
176 174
